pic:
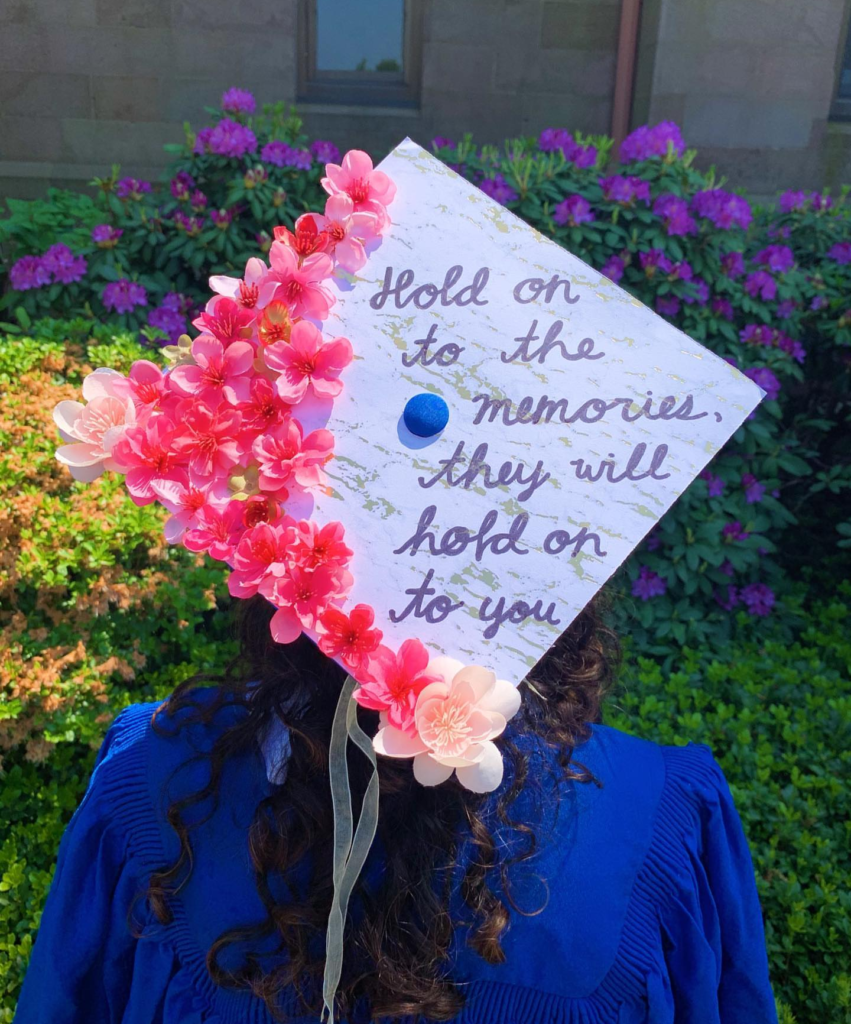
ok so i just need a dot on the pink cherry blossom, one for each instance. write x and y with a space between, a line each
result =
207 437
370 190
301 285
262 552
217 531
226 320
147 454
301 597
185 501
287 457
263 409
148 384
306 360
96 427
394 681
347 231
349 637
312 545
254 290
456 720
218 374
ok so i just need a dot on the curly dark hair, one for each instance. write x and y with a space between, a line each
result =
433 841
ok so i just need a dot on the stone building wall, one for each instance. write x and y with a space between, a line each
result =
85 83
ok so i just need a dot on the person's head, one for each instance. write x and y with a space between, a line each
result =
442 864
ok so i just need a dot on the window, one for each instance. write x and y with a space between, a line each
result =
354 52
842 104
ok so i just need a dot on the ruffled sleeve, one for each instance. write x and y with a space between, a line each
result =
712 922
82 961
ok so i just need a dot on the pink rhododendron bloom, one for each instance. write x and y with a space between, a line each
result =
307 360
207 437
395 680
301 597
287 457
226 320
186 500
456 719
148 456
369 190
301 285
95 428
347 231
217 531
262 552
312 545
218 374
351 638
253 291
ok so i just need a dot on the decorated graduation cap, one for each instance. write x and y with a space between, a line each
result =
427 435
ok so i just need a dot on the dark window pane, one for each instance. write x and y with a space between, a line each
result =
355 36
845 72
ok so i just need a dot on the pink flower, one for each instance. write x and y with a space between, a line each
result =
147 384
312 545
301 286
394 683
226 320
95 428
369 190
218 373
217 531
186 500
347 231
263 409
262 552
254 291
286 456
302 596
456 720
306 360
349 637
208 437
148 456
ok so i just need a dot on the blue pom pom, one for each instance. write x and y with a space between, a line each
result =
426 415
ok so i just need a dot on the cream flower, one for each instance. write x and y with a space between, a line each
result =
457 719
96 427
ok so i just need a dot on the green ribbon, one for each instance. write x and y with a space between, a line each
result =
350 850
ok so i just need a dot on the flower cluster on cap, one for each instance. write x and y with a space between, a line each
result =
217 439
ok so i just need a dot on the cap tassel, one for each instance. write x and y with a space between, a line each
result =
350 852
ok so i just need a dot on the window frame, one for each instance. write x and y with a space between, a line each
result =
360 88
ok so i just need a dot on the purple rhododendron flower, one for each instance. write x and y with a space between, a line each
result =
714 484
764 378
674 212
132 188
733 264
441 142
646 142
625 190
681 271
727 597
613 268
821 202
790 346
734 531
786 308
667 305
238 101
170 316
757 334
727 568
757 598
698 292
124 295
754 490
29 272
498 189
198 201
181 185
723 308
325 152
778 258
818 302
794 200
232 139
202 141
841 252
573 210
283 155
553 139
63 264
649 584
653 260
760 284
105 236
221 218
723 209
